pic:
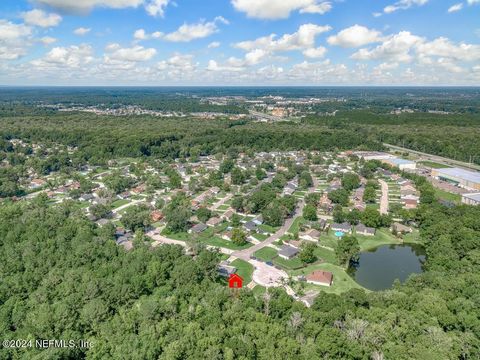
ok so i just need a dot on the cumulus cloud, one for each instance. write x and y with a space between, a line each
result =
444 47
157 7
355 36
303 38
394 48
66 57
315 53
189 32
403 5
152 7
40 18
268 9
132 54
81 31
14 40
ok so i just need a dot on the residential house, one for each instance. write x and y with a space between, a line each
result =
361 229
320 277
258 219
311 235
214 221
196 229
250 226
287 252
400 228
227 215
343 227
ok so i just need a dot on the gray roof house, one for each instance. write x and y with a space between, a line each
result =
198 228
287 252
364 230
344 227
250 226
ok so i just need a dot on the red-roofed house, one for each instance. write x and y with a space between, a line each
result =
320 277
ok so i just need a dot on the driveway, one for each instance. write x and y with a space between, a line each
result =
267 276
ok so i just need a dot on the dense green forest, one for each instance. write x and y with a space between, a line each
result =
63 278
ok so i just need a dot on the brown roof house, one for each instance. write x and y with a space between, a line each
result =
320 277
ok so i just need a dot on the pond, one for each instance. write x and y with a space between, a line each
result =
377 269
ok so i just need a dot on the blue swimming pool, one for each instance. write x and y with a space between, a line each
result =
339 233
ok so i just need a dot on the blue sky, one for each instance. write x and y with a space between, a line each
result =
240 42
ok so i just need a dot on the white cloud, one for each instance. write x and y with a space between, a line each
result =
40 18
152 7
455 8
315 53
178 61
443 47
133 54
157 7
47 40
304 38
268 9
395 48
14 39
189 32
355 36
403 5
317 8
473 2
213 45
140 34
69 57
81 31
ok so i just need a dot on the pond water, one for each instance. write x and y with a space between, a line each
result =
378 268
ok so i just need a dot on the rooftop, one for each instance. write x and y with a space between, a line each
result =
398 161
461 173
473 196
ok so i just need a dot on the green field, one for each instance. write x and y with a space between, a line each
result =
447 196
433 165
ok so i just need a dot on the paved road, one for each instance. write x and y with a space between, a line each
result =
435 158
384 197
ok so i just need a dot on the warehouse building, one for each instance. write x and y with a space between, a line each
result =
402 164
463 178
471 198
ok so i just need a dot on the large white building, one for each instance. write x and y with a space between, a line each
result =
471 198
460 177
402 164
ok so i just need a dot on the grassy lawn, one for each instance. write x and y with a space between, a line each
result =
445 195
118 203
266 254
382 237
260 237
342 282
244 269
296 225
325 254
291 264
268 228
219 242
223 207
433 165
